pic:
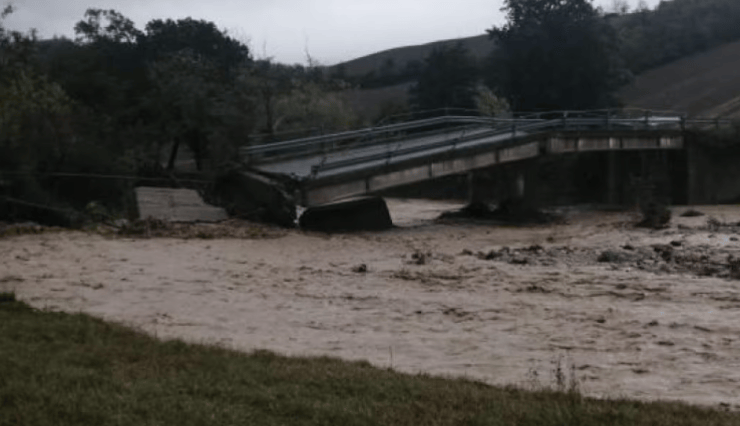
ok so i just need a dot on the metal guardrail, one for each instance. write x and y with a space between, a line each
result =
453 143
369 132
523 128
373 136
563 120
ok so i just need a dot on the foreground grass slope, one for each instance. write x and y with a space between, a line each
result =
61 369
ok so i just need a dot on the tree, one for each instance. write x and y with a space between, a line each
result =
30 105
619 7
119 29
175 82
186 93
104 68
110 101
309 105
189 104
271 82
297 97
489 104
16 49
25 97
676 29
555 54
447 80
202 38
37 136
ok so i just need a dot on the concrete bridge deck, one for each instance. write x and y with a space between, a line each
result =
328 168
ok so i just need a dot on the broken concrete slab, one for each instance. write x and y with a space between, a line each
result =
354 214
254 197
176 205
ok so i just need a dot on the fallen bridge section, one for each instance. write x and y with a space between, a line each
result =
333 167
250 195
378 175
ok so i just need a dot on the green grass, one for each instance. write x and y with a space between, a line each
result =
61 369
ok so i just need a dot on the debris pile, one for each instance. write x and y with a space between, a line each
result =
233 228
704 260
511 211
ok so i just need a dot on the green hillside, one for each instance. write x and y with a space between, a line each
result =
479 46
684 55
705 84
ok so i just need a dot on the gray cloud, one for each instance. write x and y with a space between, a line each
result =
330 30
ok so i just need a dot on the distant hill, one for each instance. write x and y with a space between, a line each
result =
479 47
380 98
705 84
660 44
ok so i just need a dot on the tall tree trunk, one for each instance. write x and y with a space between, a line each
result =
173 153
196 145
269 119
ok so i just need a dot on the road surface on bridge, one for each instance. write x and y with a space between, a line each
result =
303 168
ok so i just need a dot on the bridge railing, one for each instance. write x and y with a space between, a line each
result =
522 127
513 126
363 137
431 113
624 119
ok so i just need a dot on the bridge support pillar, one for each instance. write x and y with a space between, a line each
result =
528 184
481 187
474 194
614 181
694 188
518 183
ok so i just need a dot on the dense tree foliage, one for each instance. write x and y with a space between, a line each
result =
555 54
119 29
201 38
448 79
119 100
675 29
45 131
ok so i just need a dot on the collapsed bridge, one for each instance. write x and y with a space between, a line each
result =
322 169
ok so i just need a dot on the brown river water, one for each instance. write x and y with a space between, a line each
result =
657 319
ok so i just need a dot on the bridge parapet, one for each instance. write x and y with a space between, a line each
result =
354 163
354 180
450 130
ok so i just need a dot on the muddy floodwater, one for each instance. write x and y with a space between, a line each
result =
636 313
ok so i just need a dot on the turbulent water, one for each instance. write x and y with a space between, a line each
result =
632 312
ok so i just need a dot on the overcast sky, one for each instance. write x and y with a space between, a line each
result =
330 30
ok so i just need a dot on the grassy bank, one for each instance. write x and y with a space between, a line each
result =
61 369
